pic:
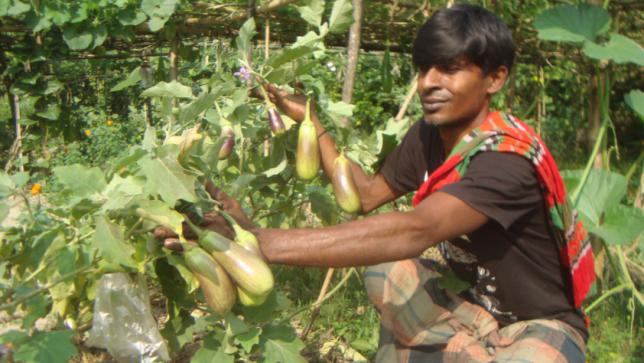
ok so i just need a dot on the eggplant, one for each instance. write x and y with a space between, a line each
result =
248 270
344 187
307 158
228 144
275 122
217 288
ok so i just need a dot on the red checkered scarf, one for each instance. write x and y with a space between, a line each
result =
505 133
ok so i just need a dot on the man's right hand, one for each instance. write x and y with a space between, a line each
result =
291 105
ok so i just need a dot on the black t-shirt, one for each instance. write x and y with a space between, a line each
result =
512 262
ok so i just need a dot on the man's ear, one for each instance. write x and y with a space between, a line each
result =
497 79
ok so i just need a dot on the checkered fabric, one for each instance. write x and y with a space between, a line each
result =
422 322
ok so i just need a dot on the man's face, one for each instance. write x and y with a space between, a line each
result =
455 94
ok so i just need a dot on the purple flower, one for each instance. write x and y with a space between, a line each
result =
242 73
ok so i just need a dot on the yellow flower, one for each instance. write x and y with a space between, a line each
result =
88 132
109 122
36 189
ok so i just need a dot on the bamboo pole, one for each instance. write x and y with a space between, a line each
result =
353 52
321 295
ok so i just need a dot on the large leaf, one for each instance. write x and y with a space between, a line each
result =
281 345
78 37
201 104
246 34
131 80
47 347
159 12
18 7
171 89
161 214
619 49
109 241
322 204
570 23
131 17
121 191
80 180
341 16
312 11
288 55
620 225
635 99
165 177
603 189
212 351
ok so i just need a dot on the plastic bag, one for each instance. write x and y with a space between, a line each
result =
123 322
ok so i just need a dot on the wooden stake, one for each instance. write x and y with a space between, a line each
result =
316 310
410 95
353 51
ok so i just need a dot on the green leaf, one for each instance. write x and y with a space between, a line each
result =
340 109
80 180
161 214
47 347
4 212
602 190
570 23
7 185
635 99
281 345
18 8
131 80
78 38
121 191
277 169
246 34
161 8
212 351
165 89
341 16
131 17
312 11
4 7
288 55
322 204
100 35
52 112
109 241
192 111
165 177
53 86
620 225
249 339
619 49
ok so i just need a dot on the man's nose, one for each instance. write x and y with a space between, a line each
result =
428 79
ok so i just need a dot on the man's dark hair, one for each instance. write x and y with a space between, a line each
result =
464 30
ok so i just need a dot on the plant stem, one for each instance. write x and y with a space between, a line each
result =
608 293
589 164
45 287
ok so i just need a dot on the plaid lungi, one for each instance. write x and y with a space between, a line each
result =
422 322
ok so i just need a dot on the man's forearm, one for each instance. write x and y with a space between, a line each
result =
376 239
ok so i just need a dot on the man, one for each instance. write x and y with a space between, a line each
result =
487 186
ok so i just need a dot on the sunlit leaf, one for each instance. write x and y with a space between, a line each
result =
165 177
341 16
47 347
171 89
619 49
602 190
312 11
78 38
281 345
17 8
121 191
131 80
570 23
204 102
212 351
246 34
109 241
620 225
635 99
131 17
81 180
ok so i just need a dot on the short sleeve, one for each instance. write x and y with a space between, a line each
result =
502 186
405 167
